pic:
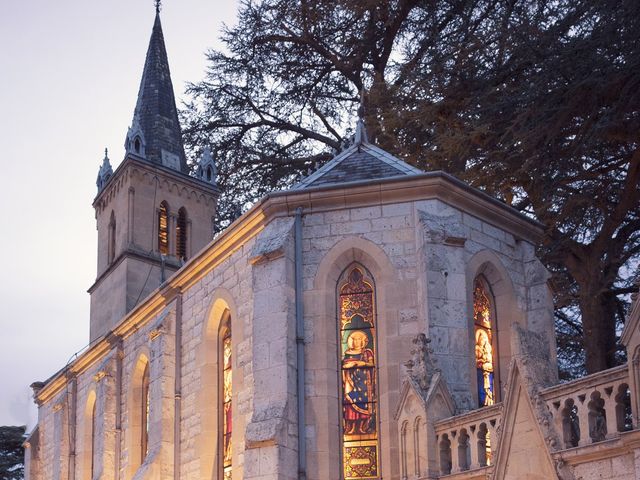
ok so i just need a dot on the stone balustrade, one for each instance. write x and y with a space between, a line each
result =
466 442
591 409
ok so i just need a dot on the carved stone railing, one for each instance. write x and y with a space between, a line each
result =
591 409
467 441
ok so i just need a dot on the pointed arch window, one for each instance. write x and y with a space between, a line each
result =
93 439
90 437
181 234
144 414
485 342
111 252
163 229
226 371
358 367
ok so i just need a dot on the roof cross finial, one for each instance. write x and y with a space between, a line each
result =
158 5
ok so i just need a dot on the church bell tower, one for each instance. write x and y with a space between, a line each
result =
151 214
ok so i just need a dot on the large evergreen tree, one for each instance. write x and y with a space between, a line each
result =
12 452
536 102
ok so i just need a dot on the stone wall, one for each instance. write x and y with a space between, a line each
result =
422 256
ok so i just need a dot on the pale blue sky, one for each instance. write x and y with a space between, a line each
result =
69 76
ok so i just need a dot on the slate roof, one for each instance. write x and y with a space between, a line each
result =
361 161
156 106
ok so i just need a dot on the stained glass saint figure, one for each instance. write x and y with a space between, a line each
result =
358 371
226 403
483 344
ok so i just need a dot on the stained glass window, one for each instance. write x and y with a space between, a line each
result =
163 229
93 437
484 343
181 234
145 403
358 371
227 412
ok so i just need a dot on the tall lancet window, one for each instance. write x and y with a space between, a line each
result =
93 439
111 254
358 371
227 394
144 415
181 234
163 229
483 316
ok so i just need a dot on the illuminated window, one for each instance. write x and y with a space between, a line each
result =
93 438
358 372
227 393
484 342
144 415
163 229
90 438
181 234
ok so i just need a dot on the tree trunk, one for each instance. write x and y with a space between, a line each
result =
599 324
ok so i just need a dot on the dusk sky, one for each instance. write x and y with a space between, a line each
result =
69 72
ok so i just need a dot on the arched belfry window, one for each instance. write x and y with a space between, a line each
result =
358 366
111 252
181 234
485 342
163 228
226 371
144 414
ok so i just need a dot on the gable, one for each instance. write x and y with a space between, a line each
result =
523 448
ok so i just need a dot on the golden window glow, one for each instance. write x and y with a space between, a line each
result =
359 389
181 234
482 315
93 437
145 417
227 411
163 229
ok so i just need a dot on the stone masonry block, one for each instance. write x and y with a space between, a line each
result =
365 213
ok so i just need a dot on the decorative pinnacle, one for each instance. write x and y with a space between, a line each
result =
106 152
158 5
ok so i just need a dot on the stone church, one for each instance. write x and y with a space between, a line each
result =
372 322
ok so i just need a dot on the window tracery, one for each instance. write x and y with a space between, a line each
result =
484 343
358 371
144 415
181 234
227 406
163 229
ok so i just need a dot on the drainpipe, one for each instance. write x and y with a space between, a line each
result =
178 390
302 446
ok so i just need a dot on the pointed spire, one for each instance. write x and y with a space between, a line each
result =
105 171
155 133
361 130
